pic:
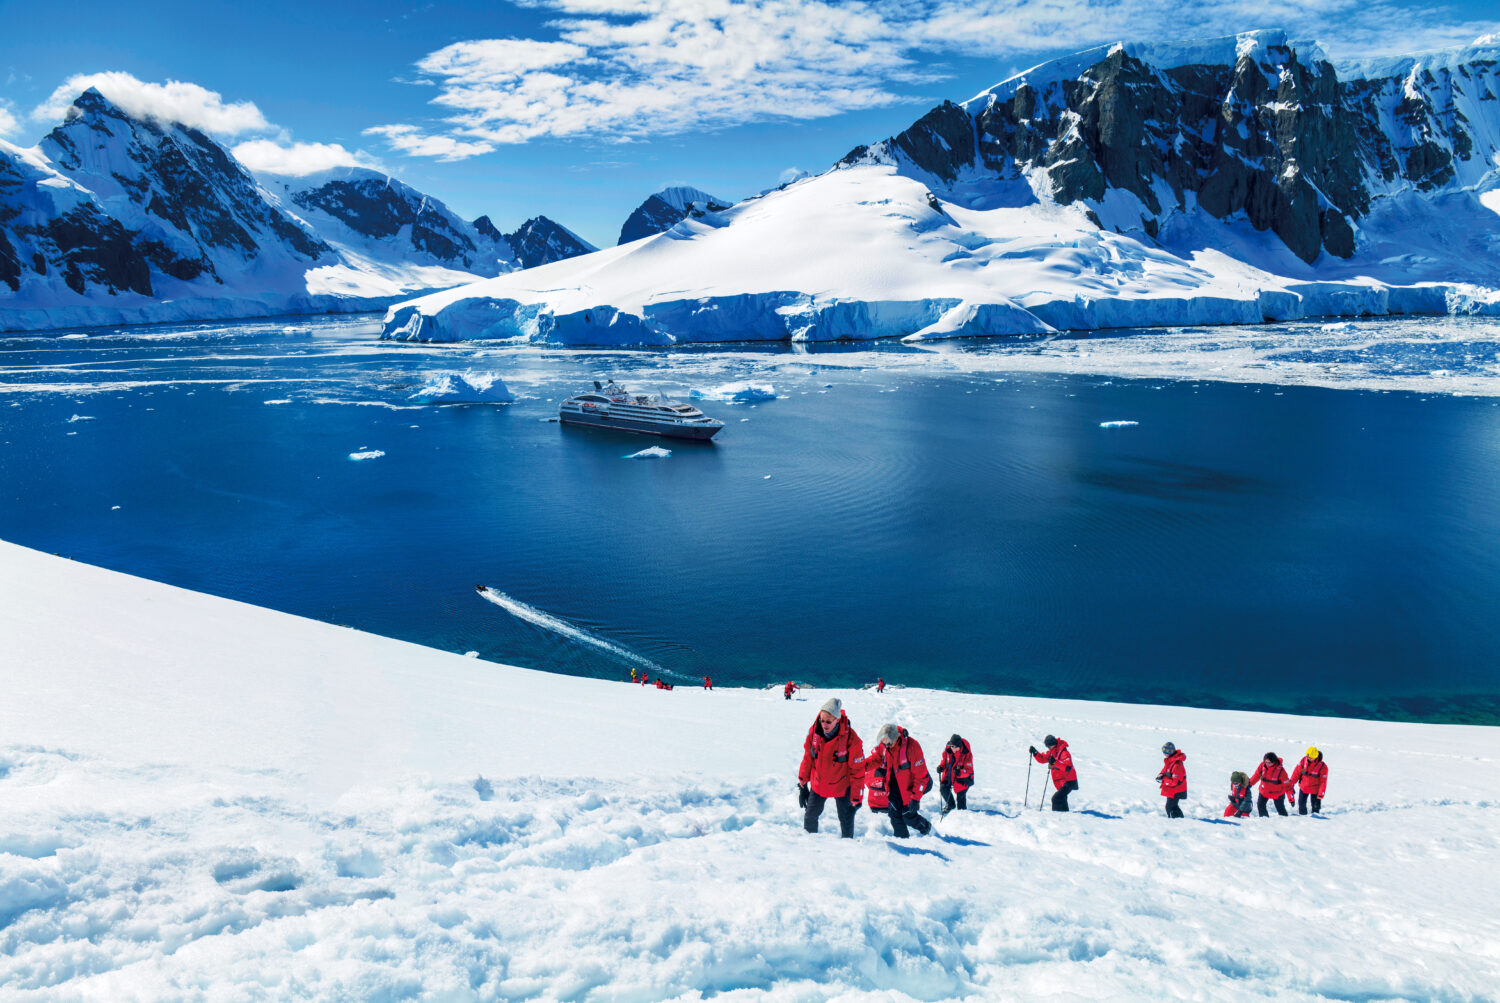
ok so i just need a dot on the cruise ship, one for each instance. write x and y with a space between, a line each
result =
609 405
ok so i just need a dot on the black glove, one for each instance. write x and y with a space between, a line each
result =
801 795
1033 751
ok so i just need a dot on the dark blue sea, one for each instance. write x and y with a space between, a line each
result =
1301 518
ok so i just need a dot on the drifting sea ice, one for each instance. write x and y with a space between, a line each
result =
1118 423
368 454
464 388
649 453
736 392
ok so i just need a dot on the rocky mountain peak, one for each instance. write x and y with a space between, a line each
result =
665 209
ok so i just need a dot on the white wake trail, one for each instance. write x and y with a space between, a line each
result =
531 614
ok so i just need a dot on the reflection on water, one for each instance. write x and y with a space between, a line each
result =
951 516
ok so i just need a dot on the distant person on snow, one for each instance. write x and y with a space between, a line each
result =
955 774
1173 779
1273 784
789 689
1239 796
1064 777
708 683
833 766
632 673
645 679
1312 775
898 764
879 685
662 684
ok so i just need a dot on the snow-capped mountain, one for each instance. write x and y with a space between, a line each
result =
1252 126
539 241
666 208
1233 180
118 219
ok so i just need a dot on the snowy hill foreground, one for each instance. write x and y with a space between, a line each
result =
1226 181
203 799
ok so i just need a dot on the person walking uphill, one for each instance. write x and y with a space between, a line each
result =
956 774
1273 784
833 766
1312 776
1064 777
1173 779
789 689
1239 796
897 763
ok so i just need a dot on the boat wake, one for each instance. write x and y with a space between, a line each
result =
547 621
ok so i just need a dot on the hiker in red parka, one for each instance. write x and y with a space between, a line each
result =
1064 777
708 683
1273 784
1239 796
1173 779
788 689
955 774
880 686
833 766
898 765
1312 772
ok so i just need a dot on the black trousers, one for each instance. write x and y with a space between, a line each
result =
1303 797
904 815
1260 805
947 791
1060 796
814 810
1174 805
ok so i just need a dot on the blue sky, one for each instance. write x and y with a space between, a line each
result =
577 109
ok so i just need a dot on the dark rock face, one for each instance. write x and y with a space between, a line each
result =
1273 135
378 207
539 241
664 210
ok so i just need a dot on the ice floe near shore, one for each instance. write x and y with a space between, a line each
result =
464 388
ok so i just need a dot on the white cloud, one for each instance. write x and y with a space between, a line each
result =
8 123
271 157
411 140
173 101
618 70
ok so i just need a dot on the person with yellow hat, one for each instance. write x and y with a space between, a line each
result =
1310 780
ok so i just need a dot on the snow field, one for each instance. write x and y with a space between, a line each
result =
207 800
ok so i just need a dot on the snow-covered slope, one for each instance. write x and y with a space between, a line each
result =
205 799
1229 180
114 218
665 208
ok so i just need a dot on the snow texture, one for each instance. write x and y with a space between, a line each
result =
208 800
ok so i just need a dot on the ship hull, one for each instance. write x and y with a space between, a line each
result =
619 424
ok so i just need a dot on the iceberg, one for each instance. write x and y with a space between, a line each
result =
464 388
650 453
736 392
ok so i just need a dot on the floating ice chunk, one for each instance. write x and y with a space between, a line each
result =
649 453
736 392
114 508
80 417
1117 424
471 654
464 388
369 454
282 401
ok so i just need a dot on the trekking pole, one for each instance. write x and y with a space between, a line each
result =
1027 802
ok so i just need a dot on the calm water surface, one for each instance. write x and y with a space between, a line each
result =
954 518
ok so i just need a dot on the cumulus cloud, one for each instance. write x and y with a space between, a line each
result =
617 70
271 157
173 101
8 123
411 140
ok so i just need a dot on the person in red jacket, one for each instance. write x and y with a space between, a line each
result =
1173 779
898 763
1239 796
833 766
708 683
1064 777
956 774
879 685
1273 784
1311 775
789 689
